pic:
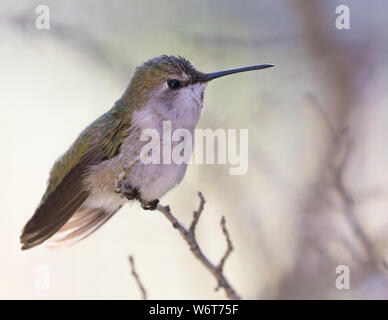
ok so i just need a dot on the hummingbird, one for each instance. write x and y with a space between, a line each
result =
102 169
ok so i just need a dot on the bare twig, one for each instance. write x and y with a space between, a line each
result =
229 248
189 236
349 204
342 144
228 241
136 276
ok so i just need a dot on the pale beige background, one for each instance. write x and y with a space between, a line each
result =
53 83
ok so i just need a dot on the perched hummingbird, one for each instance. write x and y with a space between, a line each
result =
101 171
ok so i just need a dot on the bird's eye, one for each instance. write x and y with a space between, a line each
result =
174 84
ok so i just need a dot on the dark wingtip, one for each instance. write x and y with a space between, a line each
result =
26 244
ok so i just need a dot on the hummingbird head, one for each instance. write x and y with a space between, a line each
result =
172 88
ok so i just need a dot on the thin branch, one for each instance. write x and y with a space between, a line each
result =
229 248
136 276
341 141
229 243
189 236
349 204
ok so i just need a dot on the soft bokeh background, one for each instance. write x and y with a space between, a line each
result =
299 212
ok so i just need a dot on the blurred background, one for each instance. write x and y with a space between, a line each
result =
314 197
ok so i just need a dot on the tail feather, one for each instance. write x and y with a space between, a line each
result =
41 227
82 224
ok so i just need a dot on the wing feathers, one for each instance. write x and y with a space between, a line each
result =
60 205
66 192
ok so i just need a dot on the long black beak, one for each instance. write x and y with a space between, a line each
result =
218 74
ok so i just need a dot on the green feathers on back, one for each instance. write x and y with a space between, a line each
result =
105 136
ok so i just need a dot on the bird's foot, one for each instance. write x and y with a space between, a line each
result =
125 189
149 205
129 192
